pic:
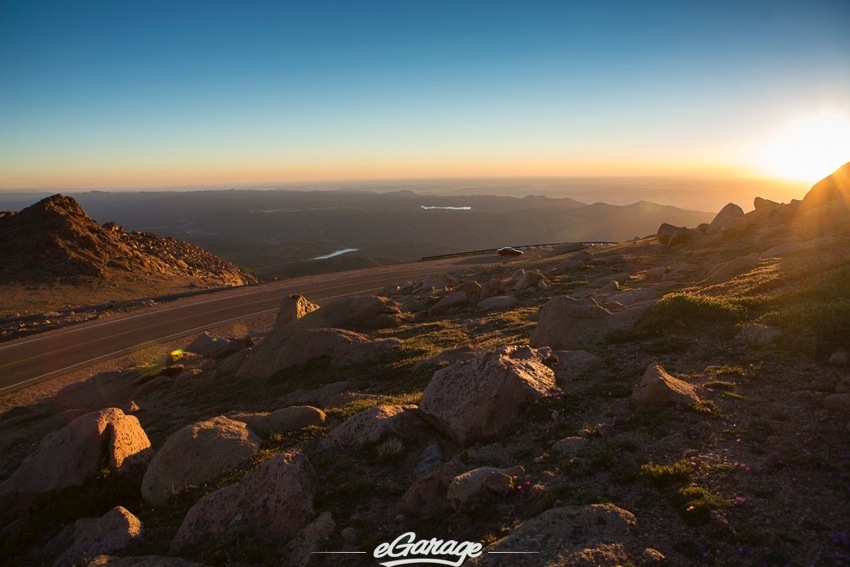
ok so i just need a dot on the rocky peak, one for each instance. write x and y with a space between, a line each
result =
55 238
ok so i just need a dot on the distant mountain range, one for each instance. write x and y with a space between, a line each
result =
279 232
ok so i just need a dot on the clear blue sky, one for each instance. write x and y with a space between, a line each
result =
128 93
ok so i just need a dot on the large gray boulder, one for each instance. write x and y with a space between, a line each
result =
358 313
474 400
198 453
343 347
374 424
274 501
297 316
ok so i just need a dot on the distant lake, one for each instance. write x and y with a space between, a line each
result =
337 253
446 208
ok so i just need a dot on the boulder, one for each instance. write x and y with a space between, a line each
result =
113 531
574 364
467 485
682 235
343 347
230 365
665 232
209 345
449 302
358 313
656 274
282 420
300 550
529 279
475 400
570 535
567 323
437 281
670 235
472 289
760 203
429 495
274 501
75 453
297 315
725 219
103 390
198 453
572 262
293 308
374 424
189 379
657 388
493 287
838 403
497 302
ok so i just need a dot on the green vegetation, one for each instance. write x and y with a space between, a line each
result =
816 317
695 503
720 385
692 312
820 328
663 475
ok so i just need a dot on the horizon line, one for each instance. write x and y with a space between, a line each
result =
272 185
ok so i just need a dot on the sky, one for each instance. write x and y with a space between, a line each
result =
126 94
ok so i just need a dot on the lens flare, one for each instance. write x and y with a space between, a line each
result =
808 149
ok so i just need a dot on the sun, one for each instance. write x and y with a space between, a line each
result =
808 149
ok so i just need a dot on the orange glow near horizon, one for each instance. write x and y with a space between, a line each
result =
262 172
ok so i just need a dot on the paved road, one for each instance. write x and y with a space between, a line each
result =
41 357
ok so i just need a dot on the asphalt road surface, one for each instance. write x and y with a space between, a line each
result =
30 360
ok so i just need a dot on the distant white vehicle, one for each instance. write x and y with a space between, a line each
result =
508 251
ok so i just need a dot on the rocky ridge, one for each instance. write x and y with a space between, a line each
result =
55 245
679 399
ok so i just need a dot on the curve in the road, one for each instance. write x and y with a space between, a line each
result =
34 359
